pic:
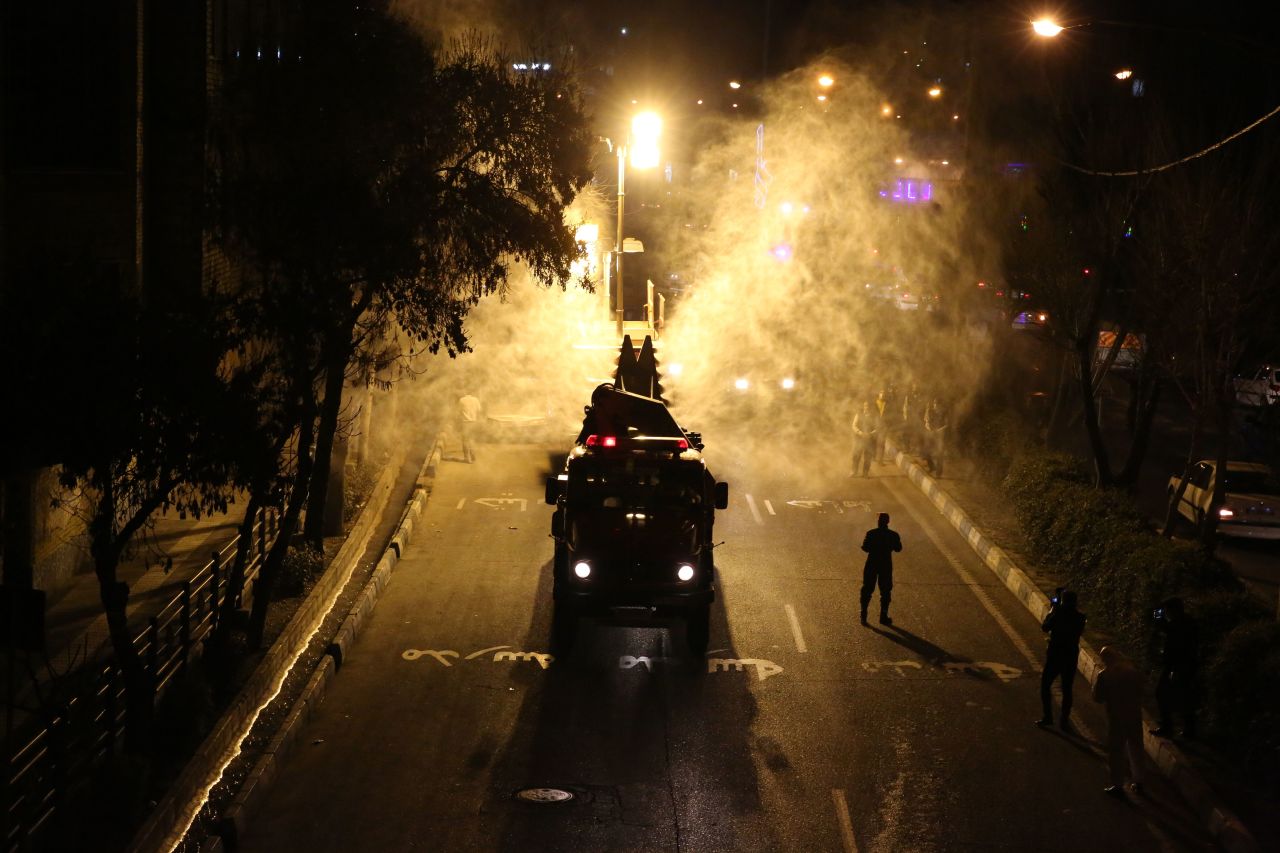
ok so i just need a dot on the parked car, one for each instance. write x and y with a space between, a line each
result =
1250 506
1263 389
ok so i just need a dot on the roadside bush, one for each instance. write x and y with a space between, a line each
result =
995 441
301 566
1123 570
357 486
1242 687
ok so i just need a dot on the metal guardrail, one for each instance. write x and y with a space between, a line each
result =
53 758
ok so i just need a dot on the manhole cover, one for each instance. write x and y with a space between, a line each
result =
544 795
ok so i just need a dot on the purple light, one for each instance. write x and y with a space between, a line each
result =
781 252
910 191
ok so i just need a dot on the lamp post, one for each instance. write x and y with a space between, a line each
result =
642 146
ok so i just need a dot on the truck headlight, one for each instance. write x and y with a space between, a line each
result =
582 569
685 572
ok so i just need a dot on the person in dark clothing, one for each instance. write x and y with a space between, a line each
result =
866 432
1064 625
1176 689
880 544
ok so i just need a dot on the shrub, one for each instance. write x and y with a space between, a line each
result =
1241 687
357 486
301 566
995 441
1123 570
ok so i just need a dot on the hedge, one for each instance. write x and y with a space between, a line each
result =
1123 569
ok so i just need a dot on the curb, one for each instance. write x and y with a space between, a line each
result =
1225 827
233 824
171 819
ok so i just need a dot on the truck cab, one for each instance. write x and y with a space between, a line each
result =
635 512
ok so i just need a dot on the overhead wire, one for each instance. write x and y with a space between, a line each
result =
1138 172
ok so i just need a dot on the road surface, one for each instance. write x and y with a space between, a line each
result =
802 730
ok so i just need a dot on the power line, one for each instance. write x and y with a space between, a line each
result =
1132 174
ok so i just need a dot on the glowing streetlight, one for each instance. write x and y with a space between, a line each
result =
822 97
1046 27
734 84
886 110
935 91
826 81
646 127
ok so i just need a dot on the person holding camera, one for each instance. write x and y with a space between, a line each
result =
1176 689
1064 624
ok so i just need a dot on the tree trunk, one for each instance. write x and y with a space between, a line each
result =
1193 452
1097 442
335 503
288 524
139 686
1144 417
235 579
330 407
1059 393
1222 416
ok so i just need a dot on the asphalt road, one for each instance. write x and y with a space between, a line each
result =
801 731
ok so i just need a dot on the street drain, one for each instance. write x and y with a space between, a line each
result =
544 795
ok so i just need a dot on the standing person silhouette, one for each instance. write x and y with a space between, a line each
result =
1176 690
1064 624
866 432
880 543
468 416
1119 688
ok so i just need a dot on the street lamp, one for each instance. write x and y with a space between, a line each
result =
826 81
642 145
1046 27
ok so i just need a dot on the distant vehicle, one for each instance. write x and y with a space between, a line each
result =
1029 320
1250 508
1263 389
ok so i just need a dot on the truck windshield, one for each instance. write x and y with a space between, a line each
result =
635 483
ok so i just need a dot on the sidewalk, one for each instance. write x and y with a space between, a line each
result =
75 626
994 520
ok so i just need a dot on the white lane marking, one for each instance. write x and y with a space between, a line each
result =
755 512
460 503
846 825
768 504
969 580
795 629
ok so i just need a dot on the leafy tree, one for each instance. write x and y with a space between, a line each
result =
380 189
1216 261
134 407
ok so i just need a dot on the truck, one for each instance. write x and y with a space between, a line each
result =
634 516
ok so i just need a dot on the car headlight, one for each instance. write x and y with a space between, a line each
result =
582 569
788 383
685 572
741 383
1226 512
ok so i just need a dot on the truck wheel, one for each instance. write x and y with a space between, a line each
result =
564 628
698 629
